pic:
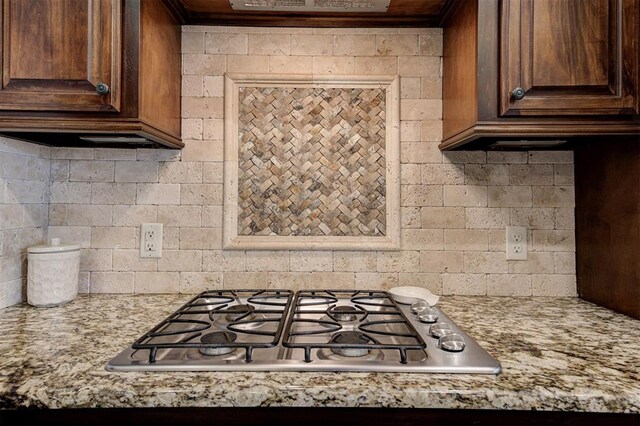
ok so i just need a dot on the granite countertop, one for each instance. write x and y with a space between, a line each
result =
556 354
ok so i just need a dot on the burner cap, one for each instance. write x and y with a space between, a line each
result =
343 313
218 338
354 338
238 312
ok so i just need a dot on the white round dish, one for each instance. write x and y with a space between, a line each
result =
409 294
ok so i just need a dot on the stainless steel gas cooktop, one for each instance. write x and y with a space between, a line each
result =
313 330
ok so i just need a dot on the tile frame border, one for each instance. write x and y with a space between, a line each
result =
231 239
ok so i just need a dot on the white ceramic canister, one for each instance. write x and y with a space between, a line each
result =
52 273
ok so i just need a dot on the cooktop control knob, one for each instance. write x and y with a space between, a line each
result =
429 316
452 342
419 306
440 329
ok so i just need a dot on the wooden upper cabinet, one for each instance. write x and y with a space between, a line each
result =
575 63
568 57
61 55
88 72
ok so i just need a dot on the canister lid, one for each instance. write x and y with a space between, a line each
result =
55 247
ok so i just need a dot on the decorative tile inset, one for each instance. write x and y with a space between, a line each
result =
311 161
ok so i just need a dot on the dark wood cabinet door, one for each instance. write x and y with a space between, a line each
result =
56 54
569 57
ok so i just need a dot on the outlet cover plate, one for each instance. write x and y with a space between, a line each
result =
516 243
151 240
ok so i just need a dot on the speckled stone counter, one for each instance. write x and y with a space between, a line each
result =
556 354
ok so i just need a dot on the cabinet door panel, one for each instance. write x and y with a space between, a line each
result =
56 52
570 57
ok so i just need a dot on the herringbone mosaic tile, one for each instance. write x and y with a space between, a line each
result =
311 162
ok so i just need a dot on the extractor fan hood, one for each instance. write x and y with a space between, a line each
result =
352 6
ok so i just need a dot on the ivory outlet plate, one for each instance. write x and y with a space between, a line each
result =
516 243
151 240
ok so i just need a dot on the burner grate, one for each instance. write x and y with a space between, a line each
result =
268 307
372 309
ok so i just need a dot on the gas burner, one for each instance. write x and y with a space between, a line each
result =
344 313
239 312
350 340
330 355
220 338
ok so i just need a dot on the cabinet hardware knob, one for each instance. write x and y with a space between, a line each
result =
517 93
102 89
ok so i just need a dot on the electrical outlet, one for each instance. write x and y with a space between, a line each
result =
516 243
151 240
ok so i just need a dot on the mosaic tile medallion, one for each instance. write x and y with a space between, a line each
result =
311 163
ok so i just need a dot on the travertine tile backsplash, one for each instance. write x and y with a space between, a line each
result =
454 205
24 199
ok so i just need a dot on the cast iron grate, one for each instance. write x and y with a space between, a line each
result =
186 324
373 310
